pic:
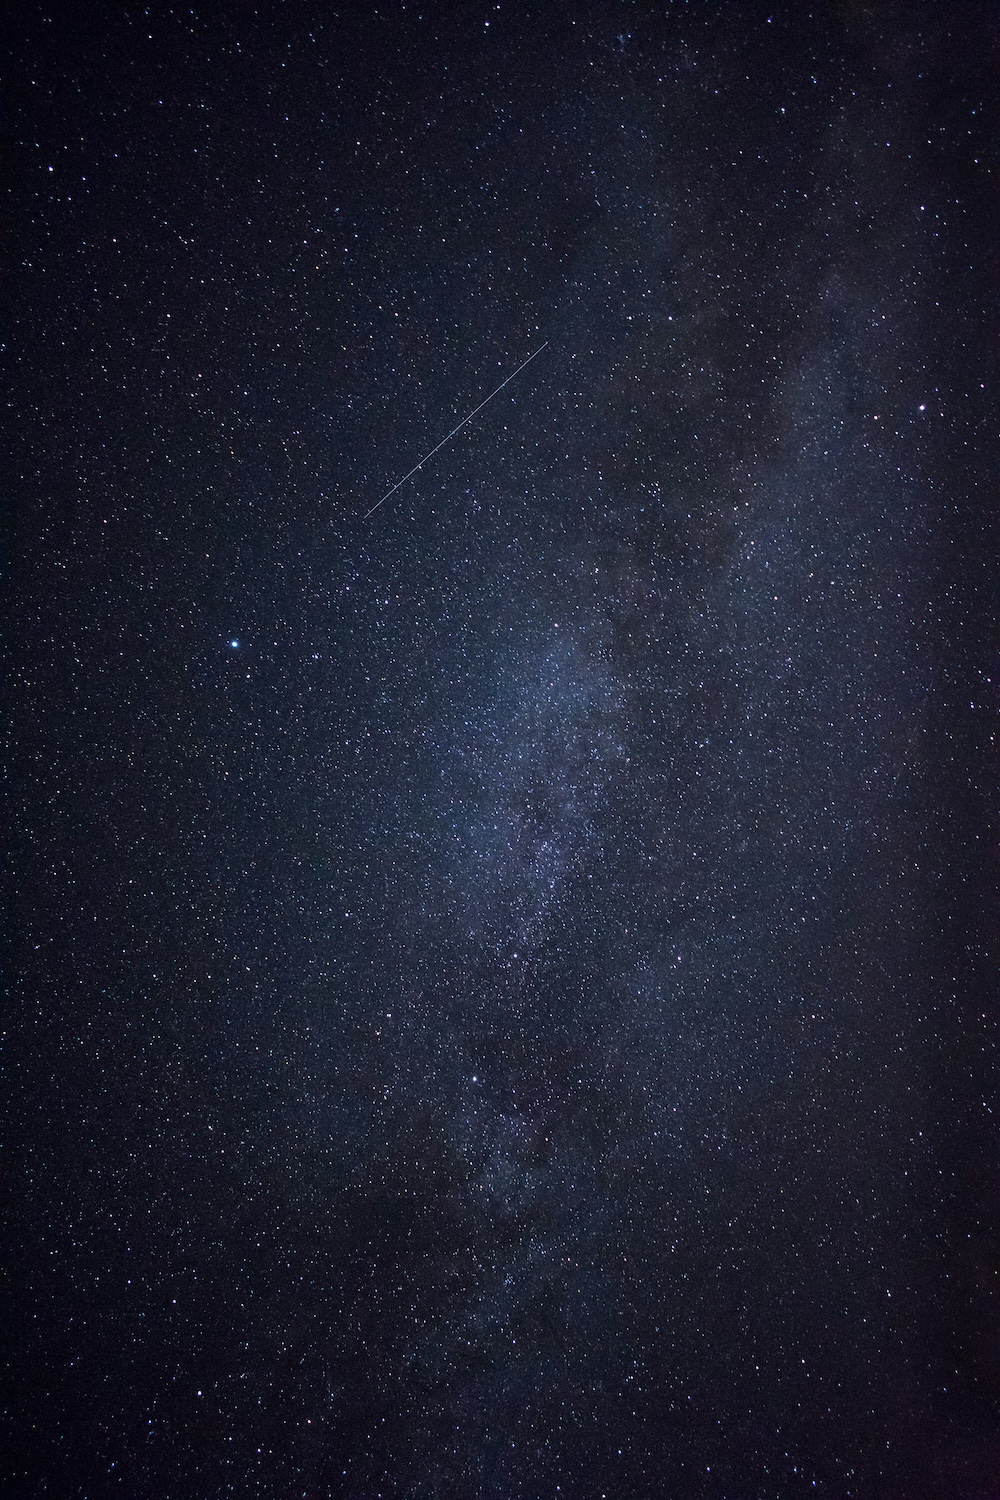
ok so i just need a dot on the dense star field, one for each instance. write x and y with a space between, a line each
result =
502 1003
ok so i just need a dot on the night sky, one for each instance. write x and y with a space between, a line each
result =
502 1004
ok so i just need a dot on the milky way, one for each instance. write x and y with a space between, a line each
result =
502 1003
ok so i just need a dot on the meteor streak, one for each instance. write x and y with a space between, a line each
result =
454 430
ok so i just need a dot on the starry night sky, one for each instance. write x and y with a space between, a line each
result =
502 1000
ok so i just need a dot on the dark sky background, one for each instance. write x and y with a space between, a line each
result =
502 998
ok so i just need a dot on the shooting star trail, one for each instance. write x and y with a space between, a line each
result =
451 434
